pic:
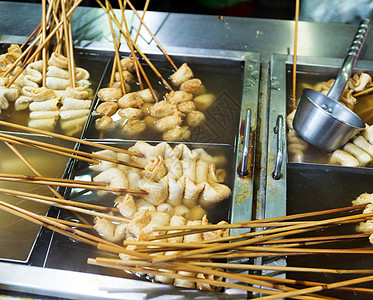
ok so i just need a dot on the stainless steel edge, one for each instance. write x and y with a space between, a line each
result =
275 204
77 285
244 187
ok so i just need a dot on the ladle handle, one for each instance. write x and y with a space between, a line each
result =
349 62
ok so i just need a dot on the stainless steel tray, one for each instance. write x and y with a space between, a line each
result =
18 236
48 258
94 62
304 187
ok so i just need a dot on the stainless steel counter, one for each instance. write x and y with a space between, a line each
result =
174 31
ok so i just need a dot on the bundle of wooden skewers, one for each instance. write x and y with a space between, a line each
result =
53 33
199 257
124 31
198 262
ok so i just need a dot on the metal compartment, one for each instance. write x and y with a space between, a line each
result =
310 186
53 255
222 76
94 62
309 71
18 235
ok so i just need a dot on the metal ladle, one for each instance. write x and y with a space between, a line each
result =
321 119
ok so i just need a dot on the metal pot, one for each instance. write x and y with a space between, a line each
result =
320 119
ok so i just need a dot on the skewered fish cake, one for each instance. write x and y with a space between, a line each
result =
162 109
133 127
130 100
113 176
204 101
193 86
42 101
126 205
166 208
108 94
109 231
183 74
178 133
177 97
363 199
155 169
343 158
130 113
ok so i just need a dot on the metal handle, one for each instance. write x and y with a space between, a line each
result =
246 144
279 130
349 62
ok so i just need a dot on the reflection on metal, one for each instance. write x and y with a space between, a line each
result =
246 144
279 130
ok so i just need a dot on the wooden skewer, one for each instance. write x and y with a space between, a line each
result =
67 41
142 18
211 227
87 186
33 169
114 68
31 196
150 269
97 262
220 255
239 236
44 51
66 230
153 68
317 238
233 276
29 145
272 233
134 57
43 178
137 63
278 268
306 250
116 51
159 75
295 53
72 60
251 248
30 36
267 221
367 91
48 38
320 288
69 138
152 35
40 220
308 283
154 94
80 155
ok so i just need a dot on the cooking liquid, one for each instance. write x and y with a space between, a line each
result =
363 108
224 79
16 233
